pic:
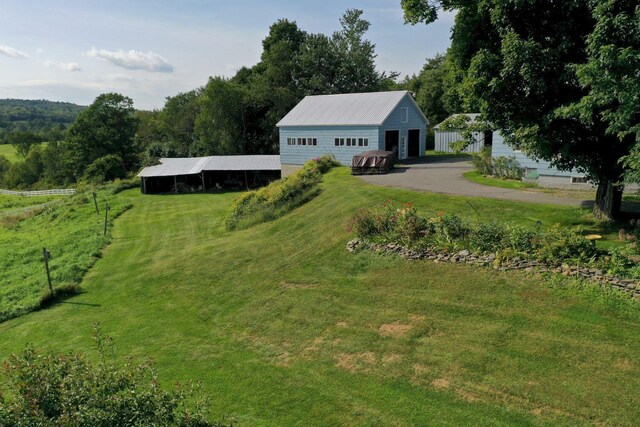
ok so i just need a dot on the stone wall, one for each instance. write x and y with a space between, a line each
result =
628 286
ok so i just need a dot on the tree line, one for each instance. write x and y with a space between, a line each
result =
46 119
236 115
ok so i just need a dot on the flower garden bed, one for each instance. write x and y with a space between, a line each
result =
630 286
449 238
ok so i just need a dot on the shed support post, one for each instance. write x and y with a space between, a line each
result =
204 188
175 184
144 185
246 180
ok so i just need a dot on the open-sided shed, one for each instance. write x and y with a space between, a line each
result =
179 175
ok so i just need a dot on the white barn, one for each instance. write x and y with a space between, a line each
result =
445 137
347 124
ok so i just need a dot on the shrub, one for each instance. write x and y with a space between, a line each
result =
104 169
389 223
408 227
561 243
506 168
523 240
481 161
448 229
70 390
488 237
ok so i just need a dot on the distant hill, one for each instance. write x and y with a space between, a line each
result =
39 116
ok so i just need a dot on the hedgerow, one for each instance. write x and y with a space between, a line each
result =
280 196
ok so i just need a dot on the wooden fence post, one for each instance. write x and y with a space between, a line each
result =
47 255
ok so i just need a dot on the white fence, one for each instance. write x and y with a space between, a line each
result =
57 192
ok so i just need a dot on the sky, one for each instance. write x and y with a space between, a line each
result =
73 50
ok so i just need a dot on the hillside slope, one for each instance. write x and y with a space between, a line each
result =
35 115
284 327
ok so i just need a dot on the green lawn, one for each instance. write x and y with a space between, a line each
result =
444 155
503 183
284 327
9 152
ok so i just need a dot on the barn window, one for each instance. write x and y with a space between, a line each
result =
337 140
314 141
366 142
341 141
404 111
304 141
360 142
579 180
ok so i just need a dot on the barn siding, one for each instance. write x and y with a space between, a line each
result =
299 154
500 148
443 139
415 121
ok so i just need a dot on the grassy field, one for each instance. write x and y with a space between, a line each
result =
69 228
284 327
9 152
11 204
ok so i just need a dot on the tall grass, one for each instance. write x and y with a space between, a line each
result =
73 233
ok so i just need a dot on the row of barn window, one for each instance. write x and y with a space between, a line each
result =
302 141
352 142
349 142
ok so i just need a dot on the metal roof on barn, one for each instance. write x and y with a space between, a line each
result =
196 165
472 118
362 109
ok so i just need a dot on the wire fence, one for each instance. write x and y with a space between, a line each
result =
56 192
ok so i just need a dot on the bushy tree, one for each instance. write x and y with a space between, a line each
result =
23 141
527 65
71 390
107 127
178 120
221 125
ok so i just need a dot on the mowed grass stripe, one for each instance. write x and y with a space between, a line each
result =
286 328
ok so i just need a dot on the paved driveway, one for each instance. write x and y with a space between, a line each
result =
445 176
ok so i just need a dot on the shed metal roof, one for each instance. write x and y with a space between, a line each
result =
472 118
364 109
195 165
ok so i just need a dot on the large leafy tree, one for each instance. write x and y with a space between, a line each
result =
23 141
532 67
357 68
178 119
107 127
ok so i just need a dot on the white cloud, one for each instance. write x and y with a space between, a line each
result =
39 51
133 59
12 53
69 66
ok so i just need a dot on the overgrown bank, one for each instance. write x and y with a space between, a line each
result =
279 197
70 229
